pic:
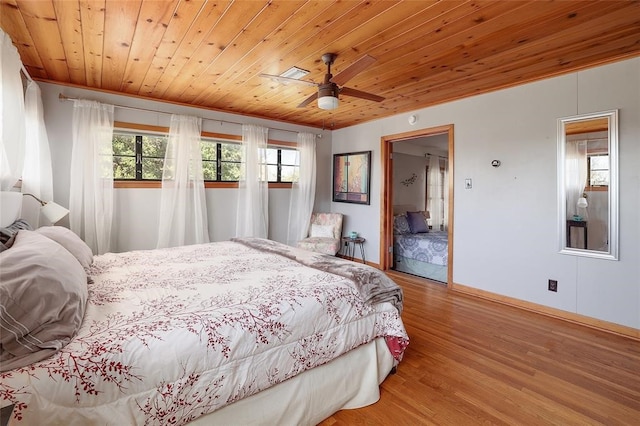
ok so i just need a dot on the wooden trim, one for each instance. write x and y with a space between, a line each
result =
610 327
161 129
596 188
150 184
386 192
137 184
135 126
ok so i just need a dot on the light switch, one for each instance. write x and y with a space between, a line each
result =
467 183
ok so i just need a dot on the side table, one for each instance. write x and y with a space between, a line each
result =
350 244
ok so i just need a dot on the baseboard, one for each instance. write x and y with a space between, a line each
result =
610 327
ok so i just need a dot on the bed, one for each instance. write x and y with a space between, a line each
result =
247 331
418 250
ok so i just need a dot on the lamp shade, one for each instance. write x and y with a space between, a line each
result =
328 96
328 102
582 203
53 212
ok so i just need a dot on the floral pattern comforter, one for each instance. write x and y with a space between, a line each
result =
173 334
430 247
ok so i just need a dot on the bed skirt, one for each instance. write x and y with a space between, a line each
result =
349 381
421 269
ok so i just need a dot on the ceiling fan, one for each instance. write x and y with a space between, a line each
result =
330 88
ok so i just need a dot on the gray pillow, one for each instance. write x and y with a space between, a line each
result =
401 225
43 295
417 222
9 231
69 240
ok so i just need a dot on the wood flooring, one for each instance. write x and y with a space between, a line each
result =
472 361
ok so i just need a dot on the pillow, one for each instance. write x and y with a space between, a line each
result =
69 240
7 232
401 225
323 231
417 222
43 294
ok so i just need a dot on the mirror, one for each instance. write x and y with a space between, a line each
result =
588 185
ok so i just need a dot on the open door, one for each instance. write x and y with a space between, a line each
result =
387 196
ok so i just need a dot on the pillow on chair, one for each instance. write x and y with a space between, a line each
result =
324 231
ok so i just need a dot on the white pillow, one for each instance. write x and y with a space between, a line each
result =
325 231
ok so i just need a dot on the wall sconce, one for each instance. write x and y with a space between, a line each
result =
52 211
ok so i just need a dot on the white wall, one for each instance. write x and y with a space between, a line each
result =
506 227
136 216
412 193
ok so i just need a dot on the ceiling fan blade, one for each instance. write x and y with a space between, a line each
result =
360 94
308 100
288 80
355 68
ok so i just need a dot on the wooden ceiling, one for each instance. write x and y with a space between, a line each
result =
210 53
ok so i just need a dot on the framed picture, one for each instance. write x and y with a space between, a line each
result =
351 177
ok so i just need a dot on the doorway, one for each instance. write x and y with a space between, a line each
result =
390 144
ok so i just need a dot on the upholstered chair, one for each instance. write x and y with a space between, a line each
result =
325 232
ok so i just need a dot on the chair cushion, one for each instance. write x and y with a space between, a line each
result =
320 245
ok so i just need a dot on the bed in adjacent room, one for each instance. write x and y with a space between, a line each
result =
418 250
247 331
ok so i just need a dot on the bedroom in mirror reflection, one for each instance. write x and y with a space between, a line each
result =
587 167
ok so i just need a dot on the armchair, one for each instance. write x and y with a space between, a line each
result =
325 232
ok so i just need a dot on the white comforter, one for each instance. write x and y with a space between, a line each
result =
172 334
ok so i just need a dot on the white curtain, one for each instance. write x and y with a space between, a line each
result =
303 192
37 177
434 193
445 196
252 214
12 133
183 206
575 175
91 189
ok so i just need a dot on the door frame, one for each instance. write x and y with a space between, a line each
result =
386 196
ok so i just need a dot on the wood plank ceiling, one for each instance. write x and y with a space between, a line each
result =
210 53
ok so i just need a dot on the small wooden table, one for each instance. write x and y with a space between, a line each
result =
350 247
577 224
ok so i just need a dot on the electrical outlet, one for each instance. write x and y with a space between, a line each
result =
553 285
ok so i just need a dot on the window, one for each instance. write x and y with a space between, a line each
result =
140 156
598 169
221 160
282 165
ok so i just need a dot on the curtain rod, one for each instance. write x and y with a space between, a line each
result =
67 98
25 72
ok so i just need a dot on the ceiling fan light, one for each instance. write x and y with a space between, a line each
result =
328 102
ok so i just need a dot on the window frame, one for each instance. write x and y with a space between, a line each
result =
126 127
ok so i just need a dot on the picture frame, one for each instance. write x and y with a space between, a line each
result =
352 177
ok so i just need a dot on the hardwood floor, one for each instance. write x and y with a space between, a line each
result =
472 361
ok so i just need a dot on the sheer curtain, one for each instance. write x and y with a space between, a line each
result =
183 206
12 129
434 193
575 174
445 196
91 189
37 177
303 192
252 215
